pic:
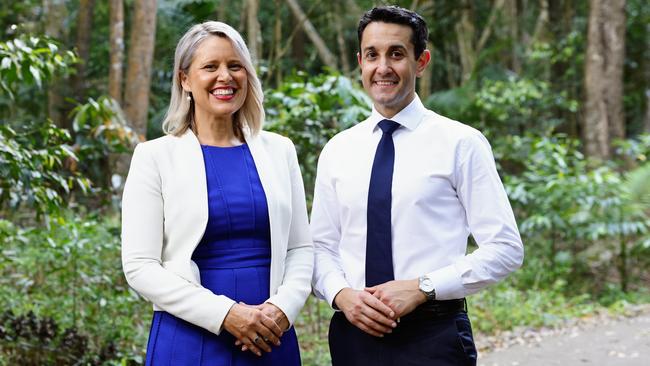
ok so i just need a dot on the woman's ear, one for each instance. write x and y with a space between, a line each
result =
185 82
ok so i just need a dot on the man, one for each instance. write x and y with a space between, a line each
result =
396 198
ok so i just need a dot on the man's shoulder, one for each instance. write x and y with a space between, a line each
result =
348 136
450 129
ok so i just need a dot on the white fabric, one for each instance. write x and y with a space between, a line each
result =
445 186
165 213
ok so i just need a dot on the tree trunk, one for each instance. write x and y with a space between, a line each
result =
646 121
275 50
541 25
604 115
465 37
450 66
646 63
222 11
326 56
344 52
513 26
253 31
115 71
298 45
138 77
84 30
425 86
55 14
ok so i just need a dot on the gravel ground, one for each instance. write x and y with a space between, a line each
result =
598 340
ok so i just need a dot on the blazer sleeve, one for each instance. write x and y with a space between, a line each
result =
142 245
296 284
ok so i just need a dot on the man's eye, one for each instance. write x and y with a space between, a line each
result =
397 54
371 55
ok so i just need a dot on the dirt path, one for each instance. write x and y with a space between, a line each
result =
604 342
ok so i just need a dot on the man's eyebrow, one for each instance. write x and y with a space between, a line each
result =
391 47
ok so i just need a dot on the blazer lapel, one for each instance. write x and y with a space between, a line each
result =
264 165
191 171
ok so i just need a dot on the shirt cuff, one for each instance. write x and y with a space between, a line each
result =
447 283
332 287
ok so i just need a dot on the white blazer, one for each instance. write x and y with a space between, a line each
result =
165 213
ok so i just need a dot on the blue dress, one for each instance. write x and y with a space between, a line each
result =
234 259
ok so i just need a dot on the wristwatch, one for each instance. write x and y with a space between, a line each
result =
426 286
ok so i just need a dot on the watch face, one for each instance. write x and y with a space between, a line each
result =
426 285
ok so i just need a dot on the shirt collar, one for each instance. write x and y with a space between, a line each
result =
409 117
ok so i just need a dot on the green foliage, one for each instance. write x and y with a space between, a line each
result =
504 307
100 130
70 271
32 166
27 62
516 105
312 326
580 218
31 341
310 111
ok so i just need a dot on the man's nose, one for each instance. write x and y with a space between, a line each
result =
384 66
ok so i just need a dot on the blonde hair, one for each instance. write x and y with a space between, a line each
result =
180 114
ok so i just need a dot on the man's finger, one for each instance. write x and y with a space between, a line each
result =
367 329
378 317
371 290
374 325
376 304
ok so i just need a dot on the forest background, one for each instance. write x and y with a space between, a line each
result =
561 88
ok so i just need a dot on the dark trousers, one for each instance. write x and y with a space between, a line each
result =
421 338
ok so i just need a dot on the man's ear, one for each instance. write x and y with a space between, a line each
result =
423 61
359 58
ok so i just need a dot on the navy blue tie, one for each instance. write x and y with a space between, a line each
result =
379 255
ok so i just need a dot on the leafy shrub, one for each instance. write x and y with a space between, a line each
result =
310 111
70 272
32 166
31 341
578 217
30 61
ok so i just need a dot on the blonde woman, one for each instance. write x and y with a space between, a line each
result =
214 223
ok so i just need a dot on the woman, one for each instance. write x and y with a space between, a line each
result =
214 223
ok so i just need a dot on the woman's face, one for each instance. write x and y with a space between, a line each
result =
217 79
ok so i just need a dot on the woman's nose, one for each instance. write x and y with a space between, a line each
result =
223 74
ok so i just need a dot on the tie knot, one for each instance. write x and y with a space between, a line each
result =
388 126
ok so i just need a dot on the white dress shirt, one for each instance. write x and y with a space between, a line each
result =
445 186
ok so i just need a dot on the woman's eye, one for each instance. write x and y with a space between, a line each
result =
235 67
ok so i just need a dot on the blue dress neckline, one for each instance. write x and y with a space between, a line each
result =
208 147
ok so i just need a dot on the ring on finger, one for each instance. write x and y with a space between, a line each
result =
256 339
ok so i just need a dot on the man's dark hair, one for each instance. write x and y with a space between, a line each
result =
397 15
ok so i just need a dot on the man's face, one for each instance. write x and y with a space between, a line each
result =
389 67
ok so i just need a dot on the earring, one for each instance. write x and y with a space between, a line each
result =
189 98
